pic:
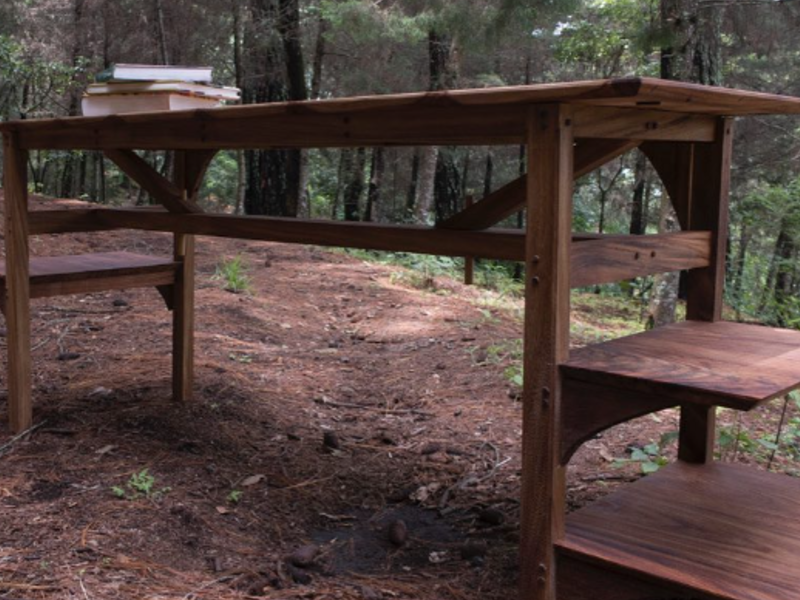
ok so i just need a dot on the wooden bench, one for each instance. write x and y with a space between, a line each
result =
87 273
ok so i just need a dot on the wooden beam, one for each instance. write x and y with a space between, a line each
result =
160 188
502 244
509 199
639 124
17 289
425 122
190 167
709 211
546 344
673 163
625 257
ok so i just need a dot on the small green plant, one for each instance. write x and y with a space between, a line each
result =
234 496
233 273
651 457
140 484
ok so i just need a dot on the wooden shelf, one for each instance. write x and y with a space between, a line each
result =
719 530
86 273
725 364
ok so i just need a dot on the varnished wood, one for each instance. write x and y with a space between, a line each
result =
504 244
590 408
709 211
579 580
509 199
160 188
190 168
641 124
715 531
88 273
17 286
674 164
625 257
493 115
546 344
697 433
727 364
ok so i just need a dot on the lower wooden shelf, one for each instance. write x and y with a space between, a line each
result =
86 273
710 531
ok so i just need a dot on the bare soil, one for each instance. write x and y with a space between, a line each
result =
351 437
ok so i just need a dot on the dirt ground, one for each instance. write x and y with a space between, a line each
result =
351 437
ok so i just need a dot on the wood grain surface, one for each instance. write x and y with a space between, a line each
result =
724 531
483 116
729 364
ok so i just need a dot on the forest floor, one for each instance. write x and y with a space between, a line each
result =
352 436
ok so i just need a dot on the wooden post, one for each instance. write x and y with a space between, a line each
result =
546 345
183 308
17 301
469 261
707 211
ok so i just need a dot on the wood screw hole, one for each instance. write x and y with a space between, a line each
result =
653 254
535 280
637 256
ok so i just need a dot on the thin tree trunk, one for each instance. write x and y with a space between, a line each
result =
373 209
423 203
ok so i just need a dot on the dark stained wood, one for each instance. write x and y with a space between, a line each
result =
625 257
162 190
190 168
723 531
87 273
16 295
509 199
546 344
709 211
492 115
697 433
506 244
728 364
64 221
641 124
589 408
578 580
673 163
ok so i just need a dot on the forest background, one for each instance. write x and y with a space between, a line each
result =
277 50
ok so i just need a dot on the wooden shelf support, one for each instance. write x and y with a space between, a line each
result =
546 343
17 288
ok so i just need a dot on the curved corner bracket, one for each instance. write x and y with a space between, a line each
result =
588 408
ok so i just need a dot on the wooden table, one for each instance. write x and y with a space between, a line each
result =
710 519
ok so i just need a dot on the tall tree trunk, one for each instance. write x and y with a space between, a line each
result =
488 173
355 185
411 198
238 73
443 76
423 202
275 177
638 224
161 33
319 56
376 170
692 54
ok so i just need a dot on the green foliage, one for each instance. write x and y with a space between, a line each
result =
233 274
650 458
141 484
234 496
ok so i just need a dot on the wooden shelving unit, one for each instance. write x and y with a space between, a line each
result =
697 530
